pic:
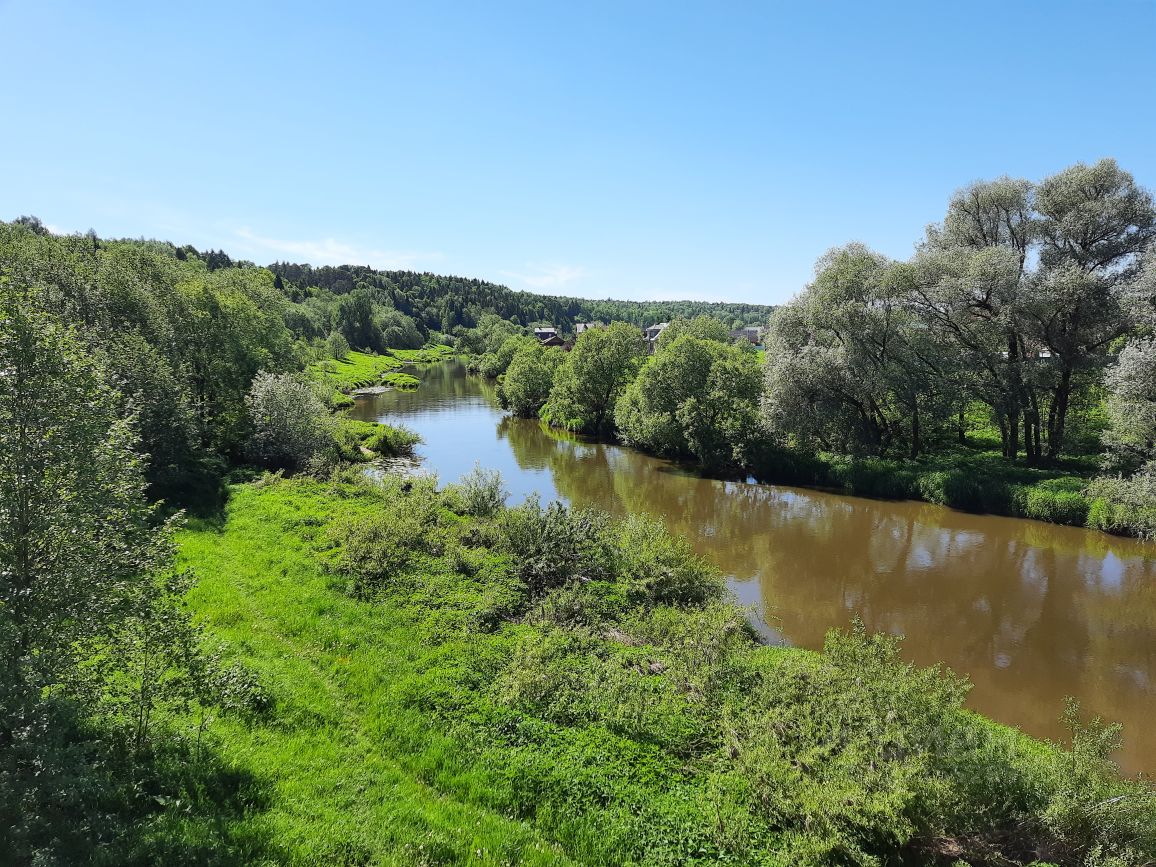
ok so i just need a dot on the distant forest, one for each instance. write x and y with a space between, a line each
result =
441 304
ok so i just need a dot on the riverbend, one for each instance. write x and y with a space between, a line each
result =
1030 612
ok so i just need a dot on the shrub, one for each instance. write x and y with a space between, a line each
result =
1089 808
289 423
1125 505
660 568
1052 500
391 442
553 546
963 488
874 477
842 750
480 493
375 549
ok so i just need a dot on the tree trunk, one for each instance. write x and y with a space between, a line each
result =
915 444
1058 416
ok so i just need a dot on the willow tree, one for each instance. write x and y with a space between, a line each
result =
848 366
1026 284
1094 225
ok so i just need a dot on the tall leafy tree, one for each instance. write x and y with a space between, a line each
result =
594 374
81 553
695 398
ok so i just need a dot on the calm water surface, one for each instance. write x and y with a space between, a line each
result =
1029 611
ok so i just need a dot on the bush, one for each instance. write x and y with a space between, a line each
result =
1058 501
375 550
657 567
1089 809
553 546
857 752
290 424
1125 505
873 477
964 488
392 442
480 493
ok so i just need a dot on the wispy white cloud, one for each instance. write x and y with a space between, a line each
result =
330 251
540 275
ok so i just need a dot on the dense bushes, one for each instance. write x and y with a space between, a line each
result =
600 691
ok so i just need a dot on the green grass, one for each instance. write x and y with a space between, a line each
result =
433 352
441 712
356 370
400 380
352 772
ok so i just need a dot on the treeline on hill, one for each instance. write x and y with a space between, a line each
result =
1023 323
445 305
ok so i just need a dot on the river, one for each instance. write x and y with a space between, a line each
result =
1030 612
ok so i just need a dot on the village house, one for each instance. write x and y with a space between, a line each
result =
579 327
652 333
545 332
751 333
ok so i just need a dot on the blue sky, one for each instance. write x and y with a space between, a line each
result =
635 150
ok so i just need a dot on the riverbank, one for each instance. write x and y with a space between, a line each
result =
440 691
341 377
979 482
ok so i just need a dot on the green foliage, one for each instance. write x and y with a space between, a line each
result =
458 305
495 363
702 327
661 569
1125 505
555 545
593 376
356 370
529 378
376 548
695 397
336 346
480 493
290 425
380 439
95 649
618 729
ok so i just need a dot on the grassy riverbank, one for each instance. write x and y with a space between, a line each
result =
975 481
547 687
363 370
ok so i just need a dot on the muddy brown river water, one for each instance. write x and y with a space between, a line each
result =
1030 612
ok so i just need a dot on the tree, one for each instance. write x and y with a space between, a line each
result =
357 323
290 423
695 398
336 346
848 366
1131 404
529 379
1095 223
969 274
1030 335
703 327
81 553
588 383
